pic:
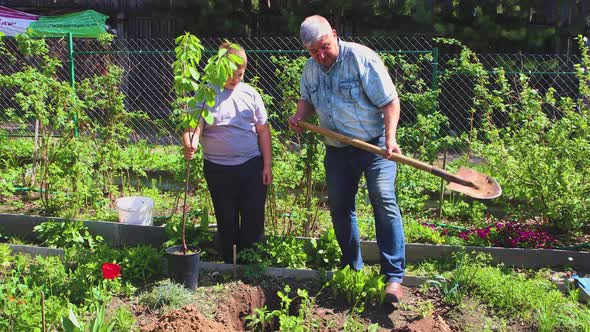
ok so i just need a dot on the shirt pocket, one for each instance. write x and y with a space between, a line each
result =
350 90
314 93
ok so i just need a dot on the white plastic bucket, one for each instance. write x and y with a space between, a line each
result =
135 210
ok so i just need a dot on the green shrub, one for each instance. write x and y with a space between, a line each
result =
141 264
541 161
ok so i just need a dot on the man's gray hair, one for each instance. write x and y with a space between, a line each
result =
313 29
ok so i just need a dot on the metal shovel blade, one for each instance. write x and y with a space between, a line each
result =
484 187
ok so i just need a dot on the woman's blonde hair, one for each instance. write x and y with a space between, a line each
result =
233 48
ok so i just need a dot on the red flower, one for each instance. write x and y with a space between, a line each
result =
111 270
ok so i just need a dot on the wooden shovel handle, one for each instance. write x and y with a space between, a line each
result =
382 152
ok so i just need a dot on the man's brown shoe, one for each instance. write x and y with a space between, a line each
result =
393 292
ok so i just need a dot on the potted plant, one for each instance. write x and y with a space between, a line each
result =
195 91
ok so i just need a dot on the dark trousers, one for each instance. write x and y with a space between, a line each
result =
239 197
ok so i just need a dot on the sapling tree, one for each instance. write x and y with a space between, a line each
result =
52 103
109 134
195 91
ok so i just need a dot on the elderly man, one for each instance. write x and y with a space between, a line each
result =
348 87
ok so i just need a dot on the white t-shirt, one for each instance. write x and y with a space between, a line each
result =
232 138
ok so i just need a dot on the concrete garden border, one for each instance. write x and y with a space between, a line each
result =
36 251
114 233
276 272
120 235
299 274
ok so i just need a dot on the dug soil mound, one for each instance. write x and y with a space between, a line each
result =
187 319
229 315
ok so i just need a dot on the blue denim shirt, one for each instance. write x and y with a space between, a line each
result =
349 96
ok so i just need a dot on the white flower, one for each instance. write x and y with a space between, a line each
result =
570 259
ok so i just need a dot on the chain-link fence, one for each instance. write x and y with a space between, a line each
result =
148 76
542 72
147 82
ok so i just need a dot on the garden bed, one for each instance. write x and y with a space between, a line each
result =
225 297
221 305
121 235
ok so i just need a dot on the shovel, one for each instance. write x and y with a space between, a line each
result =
466 180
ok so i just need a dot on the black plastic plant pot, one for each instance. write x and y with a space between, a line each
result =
184 269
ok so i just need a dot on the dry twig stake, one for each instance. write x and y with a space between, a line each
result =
43 312
235 259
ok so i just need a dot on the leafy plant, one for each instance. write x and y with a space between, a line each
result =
199 233
283 252
358 286
98 324
141 264
260 318
456 287
508 292
304 172
86 280
124 319
416 232
413 194
255 264
5 256
425 309
13 154
66 234
471 212
325 251
20 296
547 320
352 323
287 322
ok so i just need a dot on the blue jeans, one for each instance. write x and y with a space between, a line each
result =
344 167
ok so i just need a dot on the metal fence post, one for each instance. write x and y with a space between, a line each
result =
435 87
435 68
72 74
